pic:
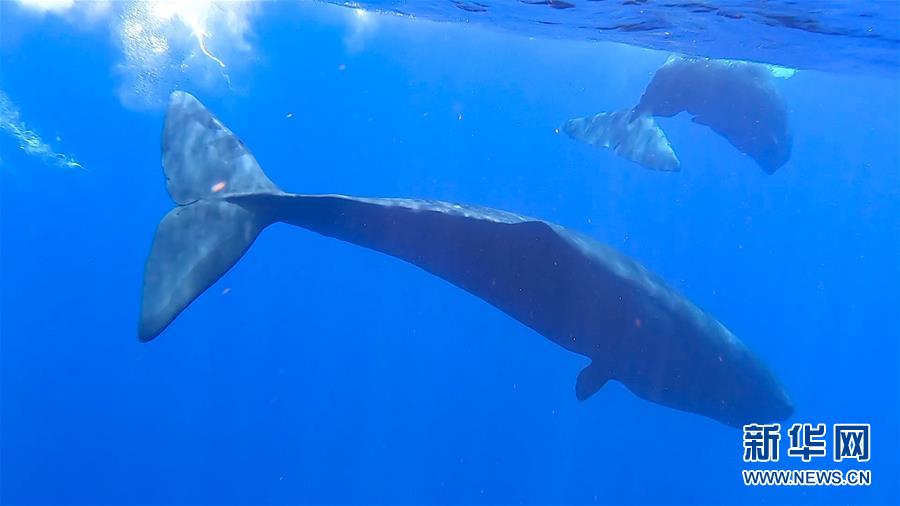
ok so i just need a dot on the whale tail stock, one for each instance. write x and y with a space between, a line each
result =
207 232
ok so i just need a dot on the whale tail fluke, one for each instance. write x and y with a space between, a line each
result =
208 232
632 136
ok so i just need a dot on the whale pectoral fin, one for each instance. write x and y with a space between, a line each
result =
590 380
699 120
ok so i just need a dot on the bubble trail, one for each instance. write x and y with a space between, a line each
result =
30 141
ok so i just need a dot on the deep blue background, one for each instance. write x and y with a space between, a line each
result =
330 373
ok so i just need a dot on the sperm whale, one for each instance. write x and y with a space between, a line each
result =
737 100
581 294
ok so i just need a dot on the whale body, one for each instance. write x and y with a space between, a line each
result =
575 291
738 100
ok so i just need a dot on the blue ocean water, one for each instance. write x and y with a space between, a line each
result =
316 371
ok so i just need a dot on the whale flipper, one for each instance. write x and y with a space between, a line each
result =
590 380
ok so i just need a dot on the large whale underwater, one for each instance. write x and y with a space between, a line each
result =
582 295
738 100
